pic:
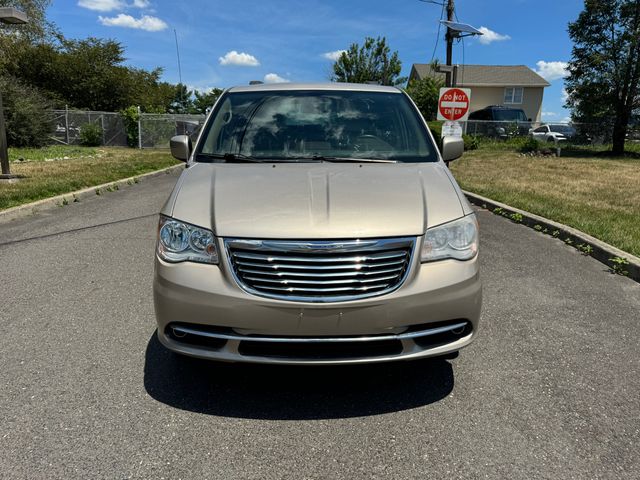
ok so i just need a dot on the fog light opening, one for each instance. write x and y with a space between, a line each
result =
178 333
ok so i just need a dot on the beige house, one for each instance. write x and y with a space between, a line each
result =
508 85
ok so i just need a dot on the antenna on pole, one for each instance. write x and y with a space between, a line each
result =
175 34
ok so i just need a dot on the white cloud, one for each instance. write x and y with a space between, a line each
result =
333 56
102 5
150 24
552 70
489 36
111 5
241 59
546 115
564 95
274 78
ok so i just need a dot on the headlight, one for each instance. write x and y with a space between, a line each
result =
457 240
181 242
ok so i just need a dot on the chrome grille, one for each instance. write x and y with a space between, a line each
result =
320 271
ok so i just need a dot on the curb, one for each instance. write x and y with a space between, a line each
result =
31 208
588 245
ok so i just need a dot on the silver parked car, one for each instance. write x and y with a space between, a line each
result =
316 224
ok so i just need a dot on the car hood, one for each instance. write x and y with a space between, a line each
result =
309 201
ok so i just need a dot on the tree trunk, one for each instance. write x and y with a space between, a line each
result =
620 131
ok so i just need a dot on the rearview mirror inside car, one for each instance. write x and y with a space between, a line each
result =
452 148
180 147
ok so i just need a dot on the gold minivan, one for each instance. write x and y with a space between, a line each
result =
316 224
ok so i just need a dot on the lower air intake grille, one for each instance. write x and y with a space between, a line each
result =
320 271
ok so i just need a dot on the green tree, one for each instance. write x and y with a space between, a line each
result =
27 113
89 74
371 62
14 39
425 94
604 71
38 27
205 100
182 100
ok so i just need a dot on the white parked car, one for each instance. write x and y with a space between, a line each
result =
553 133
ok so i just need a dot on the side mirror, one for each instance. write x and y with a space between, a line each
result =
452 148
180 147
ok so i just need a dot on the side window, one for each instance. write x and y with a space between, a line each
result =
513 95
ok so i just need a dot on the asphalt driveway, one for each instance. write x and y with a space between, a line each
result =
550 388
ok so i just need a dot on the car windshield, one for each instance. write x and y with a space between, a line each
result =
319 125
561 128
510 115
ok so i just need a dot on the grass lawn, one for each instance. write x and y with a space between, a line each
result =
52 152
84 168
599 196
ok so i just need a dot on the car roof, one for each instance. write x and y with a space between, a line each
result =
335 86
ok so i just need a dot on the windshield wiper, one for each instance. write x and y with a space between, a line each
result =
228 157
351 159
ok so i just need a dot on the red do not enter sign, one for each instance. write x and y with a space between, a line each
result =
454 104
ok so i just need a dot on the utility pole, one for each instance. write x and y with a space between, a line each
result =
11 16
449 38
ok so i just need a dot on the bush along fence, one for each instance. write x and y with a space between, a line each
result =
120 129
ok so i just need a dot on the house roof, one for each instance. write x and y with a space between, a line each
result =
486 75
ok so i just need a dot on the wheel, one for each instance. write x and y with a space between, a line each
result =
551 140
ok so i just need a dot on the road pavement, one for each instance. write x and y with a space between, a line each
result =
550 389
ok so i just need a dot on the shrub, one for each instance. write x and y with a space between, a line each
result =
90 135
471 142
29 122
528 144
130 117
425 94
436 128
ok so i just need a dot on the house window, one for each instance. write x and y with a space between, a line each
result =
513 95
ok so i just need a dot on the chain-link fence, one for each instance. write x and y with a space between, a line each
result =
157 130
551 132
153 131
69 123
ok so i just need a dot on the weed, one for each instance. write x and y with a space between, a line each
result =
129 182
555 233
76 199
568 241
98 192
135 180
116 187
618 265
65 201
585 248
498 211
516 217
537 228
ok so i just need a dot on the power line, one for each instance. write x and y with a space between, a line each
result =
435 47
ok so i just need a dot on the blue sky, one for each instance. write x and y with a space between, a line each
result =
225 43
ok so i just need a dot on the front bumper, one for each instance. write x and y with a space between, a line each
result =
202 312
